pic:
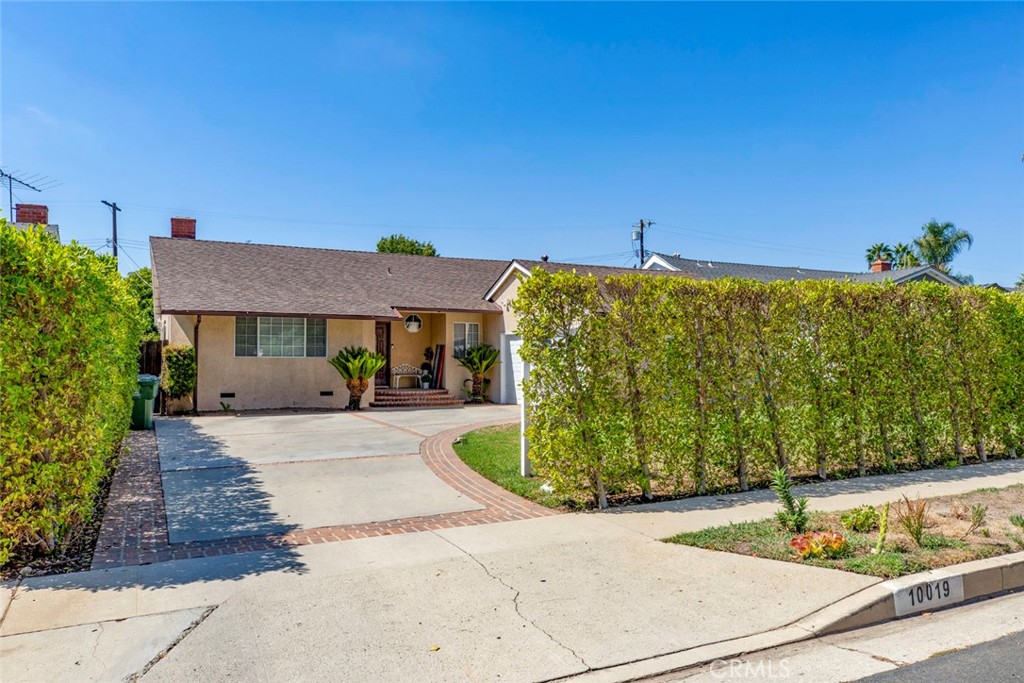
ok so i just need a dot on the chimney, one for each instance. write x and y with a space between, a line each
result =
880 266
184 228
31 213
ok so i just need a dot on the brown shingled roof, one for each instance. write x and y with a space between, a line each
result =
204 276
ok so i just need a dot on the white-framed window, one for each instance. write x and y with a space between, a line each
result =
275 337
466 335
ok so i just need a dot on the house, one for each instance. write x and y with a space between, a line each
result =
264 319
26 215
881 271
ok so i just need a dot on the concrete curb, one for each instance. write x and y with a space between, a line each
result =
881 602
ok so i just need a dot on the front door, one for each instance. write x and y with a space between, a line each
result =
383 331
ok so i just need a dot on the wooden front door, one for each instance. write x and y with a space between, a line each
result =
383 331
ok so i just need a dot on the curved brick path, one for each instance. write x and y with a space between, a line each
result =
134 529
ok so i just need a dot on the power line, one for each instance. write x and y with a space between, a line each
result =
136 263
342 224
714 236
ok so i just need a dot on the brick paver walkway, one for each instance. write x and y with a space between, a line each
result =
134 529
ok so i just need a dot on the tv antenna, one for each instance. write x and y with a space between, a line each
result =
36 182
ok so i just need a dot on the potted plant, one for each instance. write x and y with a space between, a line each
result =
426 372
478 360
357 365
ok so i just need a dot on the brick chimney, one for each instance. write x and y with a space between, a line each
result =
184 228
31 213
880 266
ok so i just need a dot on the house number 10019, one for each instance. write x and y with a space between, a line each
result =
928 595
924 593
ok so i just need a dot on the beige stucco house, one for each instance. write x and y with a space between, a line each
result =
264 319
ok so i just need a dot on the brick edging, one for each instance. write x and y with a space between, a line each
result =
134 527
439 455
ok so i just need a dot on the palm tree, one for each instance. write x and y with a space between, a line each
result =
357 365
906 255
479 360
880 251
939 243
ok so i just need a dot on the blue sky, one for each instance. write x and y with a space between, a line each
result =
778 134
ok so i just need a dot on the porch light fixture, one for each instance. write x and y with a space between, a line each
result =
413 323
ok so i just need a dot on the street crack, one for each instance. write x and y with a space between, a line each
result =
515 603
163 653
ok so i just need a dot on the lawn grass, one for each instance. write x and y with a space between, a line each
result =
493 452
947 539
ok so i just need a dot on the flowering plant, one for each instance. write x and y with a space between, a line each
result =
820 544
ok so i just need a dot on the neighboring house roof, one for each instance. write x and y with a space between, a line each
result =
203 276
51 228
526 266
709 270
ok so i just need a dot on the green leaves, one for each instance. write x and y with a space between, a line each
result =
479 359
357 363
68 363
178 377
642 384
400 244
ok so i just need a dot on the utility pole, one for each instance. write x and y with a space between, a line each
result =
113 216
638 235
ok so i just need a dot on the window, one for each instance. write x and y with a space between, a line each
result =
466 335
413 323
280 337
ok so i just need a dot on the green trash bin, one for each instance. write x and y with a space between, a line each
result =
142 402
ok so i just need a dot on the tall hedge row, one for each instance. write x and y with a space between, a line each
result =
641 384
68 352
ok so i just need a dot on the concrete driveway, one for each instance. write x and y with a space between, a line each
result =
233 476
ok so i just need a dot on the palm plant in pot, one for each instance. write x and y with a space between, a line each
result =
478 360
357 365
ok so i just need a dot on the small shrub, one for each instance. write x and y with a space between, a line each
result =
178 377
940 542
912 516
1017 521
883 529
793 516
862 519
959 510
978 512
1018 539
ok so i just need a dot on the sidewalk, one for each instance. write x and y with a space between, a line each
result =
527 600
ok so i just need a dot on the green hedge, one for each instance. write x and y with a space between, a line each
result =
642 383
68 353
